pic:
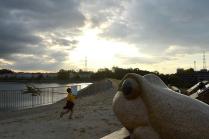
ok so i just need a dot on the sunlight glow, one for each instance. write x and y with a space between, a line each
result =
100 52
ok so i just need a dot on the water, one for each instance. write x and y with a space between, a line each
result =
13 98
22 86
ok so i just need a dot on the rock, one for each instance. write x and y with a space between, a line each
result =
150 110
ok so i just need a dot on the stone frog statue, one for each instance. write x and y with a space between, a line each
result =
148 109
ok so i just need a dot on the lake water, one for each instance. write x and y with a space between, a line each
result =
22 86
12 96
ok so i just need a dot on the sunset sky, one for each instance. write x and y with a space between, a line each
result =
154 35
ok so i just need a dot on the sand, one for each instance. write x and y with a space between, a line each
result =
93 118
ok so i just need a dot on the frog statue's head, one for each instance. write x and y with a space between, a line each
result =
148 109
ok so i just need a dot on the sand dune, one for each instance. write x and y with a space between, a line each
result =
93 117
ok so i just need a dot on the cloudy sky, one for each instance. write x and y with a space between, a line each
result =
47 35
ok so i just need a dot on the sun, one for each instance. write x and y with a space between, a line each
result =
100 52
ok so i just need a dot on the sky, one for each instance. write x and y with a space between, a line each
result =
153 35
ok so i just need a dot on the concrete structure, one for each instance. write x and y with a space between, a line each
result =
195 76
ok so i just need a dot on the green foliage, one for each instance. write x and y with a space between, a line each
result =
116 73
183 78
63 74
4 71
185 71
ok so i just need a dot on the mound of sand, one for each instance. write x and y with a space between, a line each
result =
93 117
99 86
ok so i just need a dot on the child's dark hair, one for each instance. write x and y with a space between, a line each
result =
69 90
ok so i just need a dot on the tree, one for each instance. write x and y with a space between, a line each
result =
63 74
4 71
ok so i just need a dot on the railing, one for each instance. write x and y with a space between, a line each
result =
17 99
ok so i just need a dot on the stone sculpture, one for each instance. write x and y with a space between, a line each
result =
148 109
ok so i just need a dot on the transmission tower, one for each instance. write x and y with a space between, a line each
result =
86 63
195 67
204 60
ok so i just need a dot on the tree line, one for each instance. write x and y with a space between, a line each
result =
182 78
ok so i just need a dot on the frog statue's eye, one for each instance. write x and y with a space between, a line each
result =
130 88
127 87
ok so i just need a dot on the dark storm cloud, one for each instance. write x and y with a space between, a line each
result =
62 41
65 42
51 61
14 37
23 21
28 63
44 14
161 23
101 11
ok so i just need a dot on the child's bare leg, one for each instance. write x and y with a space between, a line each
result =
71 113
64 112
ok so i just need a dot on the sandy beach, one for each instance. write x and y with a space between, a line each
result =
93 118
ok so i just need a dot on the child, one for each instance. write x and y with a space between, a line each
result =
69 104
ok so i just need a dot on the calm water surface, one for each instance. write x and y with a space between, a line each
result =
22 86
13 98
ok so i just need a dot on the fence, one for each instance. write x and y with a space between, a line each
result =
17 99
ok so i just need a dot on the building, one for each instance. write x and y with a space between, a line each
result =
22 75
